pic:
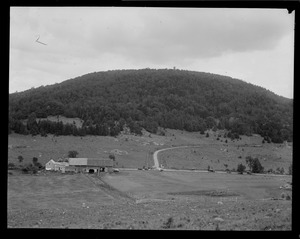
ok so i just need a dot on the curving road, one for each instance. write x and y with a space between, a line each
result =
156 163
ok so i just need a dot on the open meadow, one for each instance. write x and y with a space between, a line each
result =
150 199
136 151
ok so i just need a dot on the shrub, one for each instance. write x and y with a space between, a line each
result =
207 135
39 165
112 156
72 154
25 170
270 170
169 223
20 158
241 168
34 160
280 170
11 166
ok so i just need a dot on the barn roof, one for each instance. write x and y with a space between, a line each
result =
77 161
99 162
91 162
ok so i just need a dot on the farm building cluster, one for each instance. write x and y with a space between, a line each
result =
85 165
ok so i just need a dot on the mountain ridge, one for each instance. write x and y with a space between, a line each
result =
167 98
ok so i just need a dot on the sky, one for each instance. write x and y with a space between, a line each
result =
253 45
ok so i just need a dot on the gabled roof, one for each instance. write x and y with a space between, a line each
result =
58 163
91 162
99 162
77 161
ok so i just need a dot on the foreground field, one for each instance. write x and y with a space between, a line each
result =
138 199
148 200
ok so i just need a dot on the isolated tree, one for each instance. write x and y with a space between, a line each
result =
20 158
254 165
241 168
226 165
34 160
112 156
72 154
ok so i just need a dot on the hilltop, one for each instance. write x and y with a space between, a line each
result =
109 102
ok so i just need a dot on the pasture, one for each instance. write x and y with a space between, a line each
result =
148 200
139 199
136 151
167 185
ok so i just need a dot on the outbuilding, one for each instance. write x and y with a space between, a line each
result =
91 165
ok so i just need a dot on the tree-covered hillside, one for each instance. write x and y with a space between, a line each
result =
147 98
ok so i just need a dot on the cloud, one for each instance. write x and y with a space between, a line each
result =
81 40
190 33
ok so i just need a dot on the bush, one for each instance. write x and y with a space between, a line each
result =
207 135
112 156
270 170
11 166
241 168
72 154
29 168
169 223
34 160
20 158
39 165
280 170
25 170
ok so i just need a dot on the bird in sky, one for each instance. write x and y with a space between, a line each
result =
37 40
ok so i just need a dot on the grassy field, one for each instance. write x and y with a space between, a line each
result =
160 185
53 190
134 151
148 200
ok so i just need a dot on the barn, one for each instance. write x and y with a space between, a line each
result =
90 165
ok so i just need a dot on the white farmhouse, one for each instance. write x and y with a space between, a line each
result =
56 166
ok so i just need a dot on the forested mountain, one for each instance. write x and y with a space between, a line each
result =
149 98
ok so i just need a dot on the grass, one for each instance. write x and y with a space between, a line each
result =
165 185
53 191
75 201
159 198
214 153
136 152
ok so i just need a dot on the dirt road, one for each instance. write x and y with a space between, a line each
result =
156 163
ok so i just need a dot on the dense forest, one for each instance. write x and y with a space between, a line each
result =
152 99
